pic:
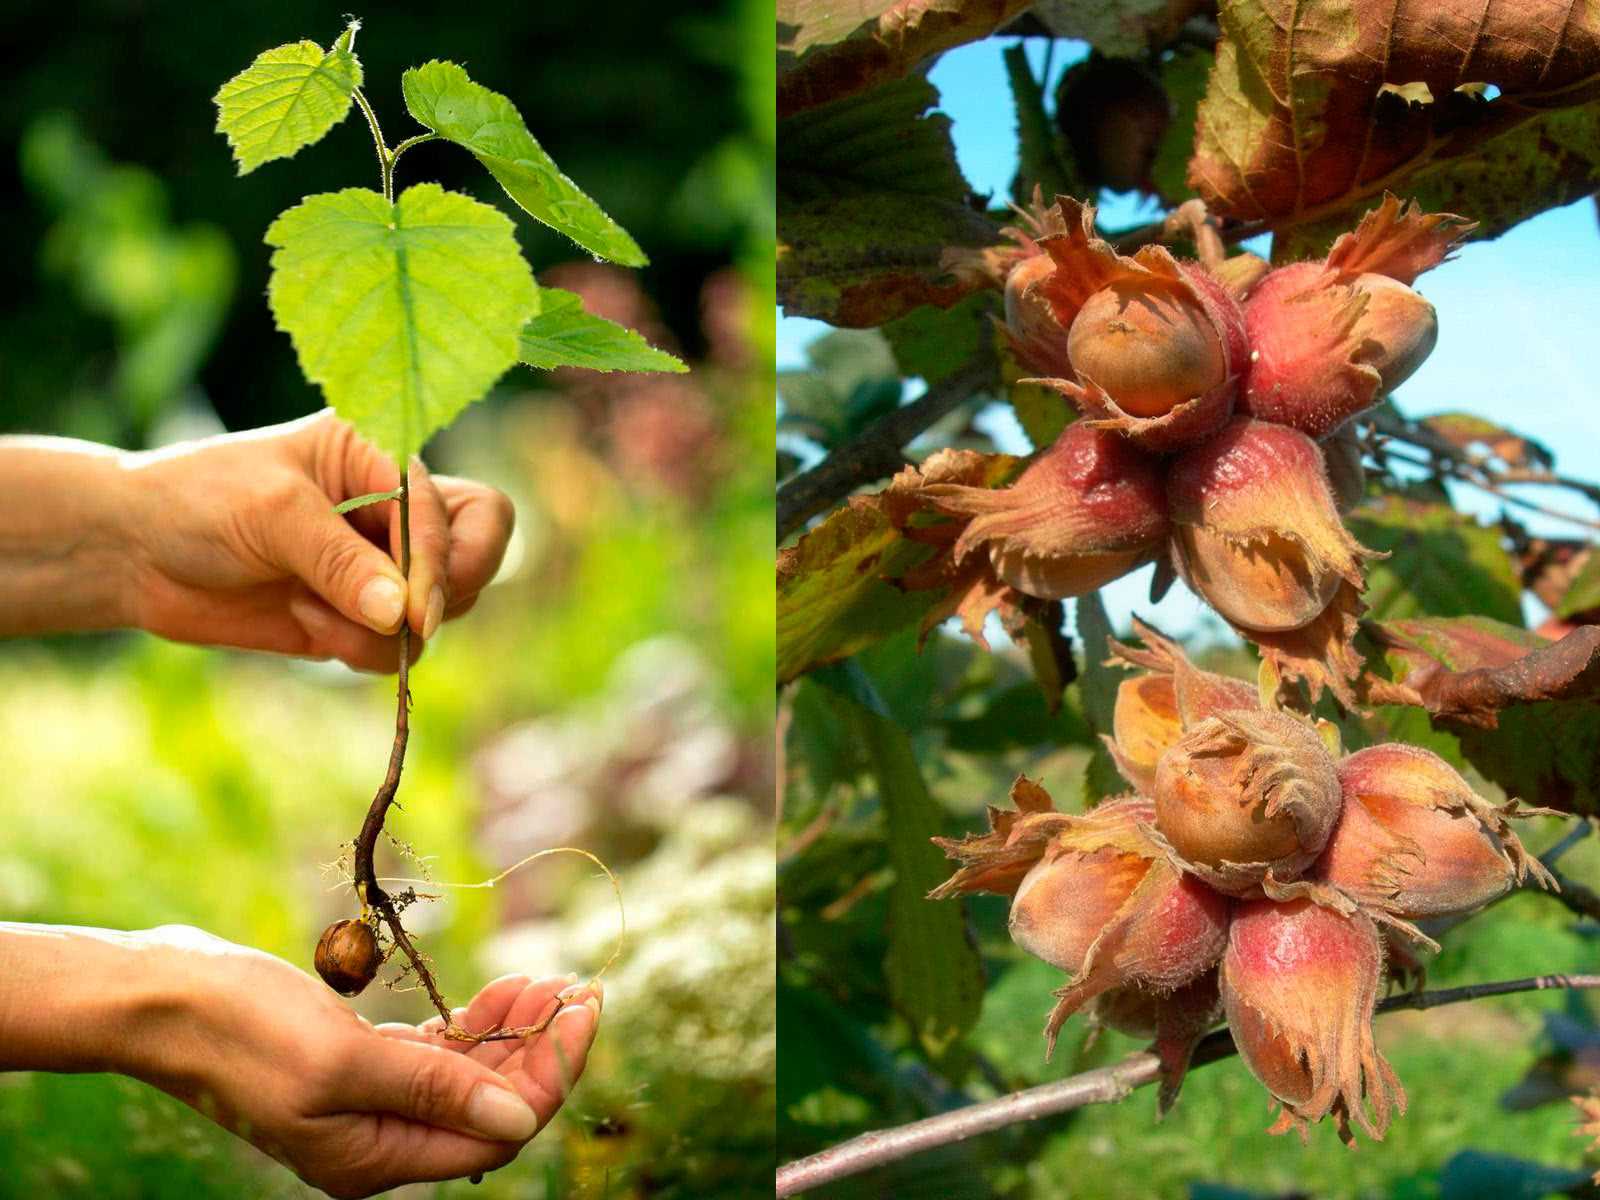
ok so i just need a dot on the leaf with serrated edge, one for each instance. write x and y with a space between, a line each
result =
288 98
403 314
444 98
563 335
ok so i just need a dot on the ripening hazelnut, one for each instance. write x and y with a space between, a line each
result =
1299 985
1416 840
1151 348
1256 529
347 956
1086 511
1038 338
1245 794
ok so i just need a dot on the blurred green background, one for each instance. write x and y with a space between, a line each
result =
612 690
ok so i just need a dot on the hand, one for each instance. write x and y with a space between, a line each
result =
235 543
270 1053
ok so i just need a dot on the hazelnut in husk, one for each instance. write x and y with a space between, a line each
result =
348 957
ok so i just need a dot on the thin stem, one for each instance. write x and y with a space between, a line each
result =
385 159
394 155
875 451
1100 1086
366 877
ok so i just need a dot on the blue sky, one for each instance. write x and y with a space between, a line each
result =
1519 321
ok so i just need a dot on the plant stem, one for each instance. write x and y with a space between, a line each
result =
385 158
1100 1086
366 877
875 451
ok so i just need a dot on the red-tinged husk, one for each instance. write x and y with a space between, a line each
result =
1153 709
1330 339
1170 930
1400 241
1086 511
1176 1021
1245 795
1415 840
1299 985
1256 531
1322 653
1157 348
1589 1116
971 589
1037 336
1093 895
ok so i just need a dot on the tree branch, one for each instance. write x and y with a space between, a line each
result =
874 453
1100 1086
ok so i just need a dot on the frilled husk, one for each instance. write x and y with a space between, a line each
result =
1299 985
1153 709
1330 338
1247 794
1086 511
1156 328
1256 532
1415 840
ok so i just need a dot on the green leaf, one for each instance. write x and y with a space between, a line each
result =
871 198
935 343
402 313
935 976
441 96
356 502
834 597
288 98
1442 563
1098 682
1583 593
563 335
1040 161
1184 77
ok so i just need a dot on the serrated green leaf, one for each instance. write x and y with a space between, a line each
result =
934 973
1441 563
563 335
402 313
444 98
356 502
288 98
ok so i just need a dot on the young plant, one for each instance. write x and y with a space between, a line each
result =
404 310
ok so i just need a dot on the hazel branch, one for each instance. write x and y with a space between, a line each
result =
875 452
1102 1085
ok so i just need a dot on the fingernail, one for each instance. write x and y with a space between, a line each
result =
597 996
585 1014
430 623
382 602
568 994
498 1113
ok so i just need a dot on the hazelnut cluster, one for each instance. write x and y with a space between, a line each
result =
1256 872
1215 406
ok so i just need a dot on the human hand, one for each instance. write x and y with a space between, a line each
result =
354 1109
235 543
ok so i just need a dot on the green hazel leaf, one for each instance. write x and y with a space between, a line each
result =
356 502
444 98
402 313
563 335
286 100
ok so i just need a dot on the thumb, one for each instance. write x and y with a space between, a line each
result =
438 1087
333 560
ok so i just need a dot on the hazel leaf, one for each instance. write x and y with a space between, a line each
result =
564 335
402 313
285 100
444 98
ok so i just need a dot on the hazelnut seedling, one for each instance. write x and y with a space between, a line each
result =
404 309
